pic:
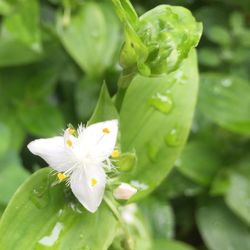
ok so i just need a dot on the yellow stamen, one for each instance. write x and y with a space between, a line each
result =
115 153
69 143
93 182
71 131
106 131
61 176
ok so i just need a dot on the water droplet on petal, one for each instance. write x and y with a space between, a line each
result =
162 102
172 138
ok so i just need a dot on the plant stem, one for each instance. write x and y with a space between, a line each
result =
117 215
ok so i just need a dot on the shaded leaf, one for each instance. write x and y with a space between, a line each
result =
161 217
220 228
91 36
199 161
41 119
171 245
12 175
224 99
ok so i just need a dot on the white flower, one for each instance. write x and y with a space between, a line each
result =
81 156
124 191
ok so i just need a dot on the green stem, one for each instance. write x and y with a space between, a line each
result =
113 208
124 81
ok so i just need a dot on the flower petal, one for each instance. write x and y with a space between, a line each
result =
99 139
88 184
53 151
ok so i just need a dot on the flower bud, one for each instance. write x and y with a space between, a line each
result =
124 191
158 41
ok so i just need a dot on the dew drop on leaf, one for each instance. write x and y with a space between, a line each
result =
162 102
226 82
172 138
151 152
51 239
40 195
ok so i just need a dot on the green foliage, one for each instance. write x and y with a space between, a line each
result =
158 41
173 245
67 61
55 219
93 28
220 228
164 109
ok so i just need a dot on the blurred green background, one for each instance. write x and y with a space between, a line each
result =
54 57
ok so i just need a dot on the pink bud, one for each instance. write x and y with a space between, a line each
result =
124 191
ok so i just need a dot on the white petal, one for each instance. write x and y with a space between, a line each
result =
81 180
53 151
98 144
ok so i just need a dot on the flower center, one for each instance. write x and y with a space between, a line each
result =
61 176
93 182
106 131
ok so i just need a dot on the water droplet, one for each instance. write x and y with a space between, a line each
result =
51 239
172 138
162 102
180 77
178 162
226 82
40 195
139 185
151 152
76 207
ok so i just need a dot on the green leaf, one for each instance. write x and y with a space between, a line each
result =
138 229
158 42
105 109
199 161
171 245
5 7
20 84
220 35
41 119
86 96
91 36
161 217
237 195
12 175
155 120
2 208
177 185
13 53
220 183
220 228
42 214
23 24
209 57
16 132
5 138
224 99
